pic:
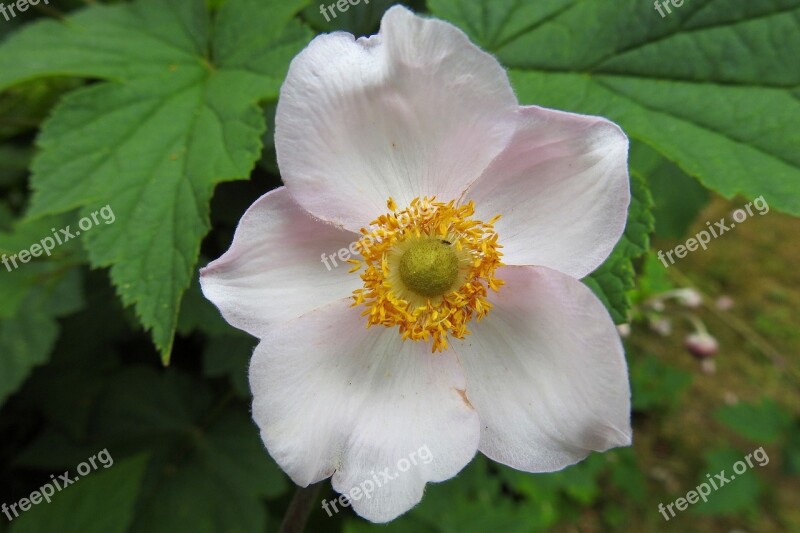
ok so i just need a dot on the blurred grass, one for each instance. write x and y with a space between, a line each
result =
756 265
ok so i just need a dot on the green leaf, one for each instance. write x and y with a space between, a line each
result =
14 163
102 502
578 481
656 384
17 278
25 342
628 476
6 216
614 279
473 501
210 471
176 114
611 283
229 356
27 338
792 451
653 279
87 353
14 286
404 524
739 494
713 88
677 197
764 422
199 314
25 106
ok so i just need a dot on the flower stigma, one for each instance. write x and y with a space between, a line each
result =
427 269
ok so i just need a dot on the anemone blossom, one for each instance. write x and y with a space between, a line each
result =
415 282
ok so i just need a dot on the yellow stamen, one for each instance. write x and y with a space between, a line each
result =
427 270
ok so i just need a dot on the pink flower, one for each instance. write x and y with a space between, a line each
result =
400 151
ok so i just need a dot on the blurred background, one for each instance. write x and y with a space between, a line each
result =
709 96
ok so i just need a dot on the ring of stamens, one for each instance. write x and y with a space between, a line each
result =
427 270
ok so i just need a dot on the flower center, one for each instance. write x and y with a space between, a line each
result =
427 270
429 267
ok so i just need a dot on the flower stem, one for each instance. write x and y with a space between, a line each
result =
300 508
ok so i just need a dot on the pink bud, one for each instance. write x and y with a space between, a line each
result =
702 344
689 297
725 303
708 366
662 326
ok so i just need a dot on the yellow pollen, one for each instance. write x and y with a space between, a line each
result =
427 269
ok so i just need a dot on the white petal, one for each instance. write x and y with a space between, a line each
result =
416 110
274 269
546 372
334 398
562 189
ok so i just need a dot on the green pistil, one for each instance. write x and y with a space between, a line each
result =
429 267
